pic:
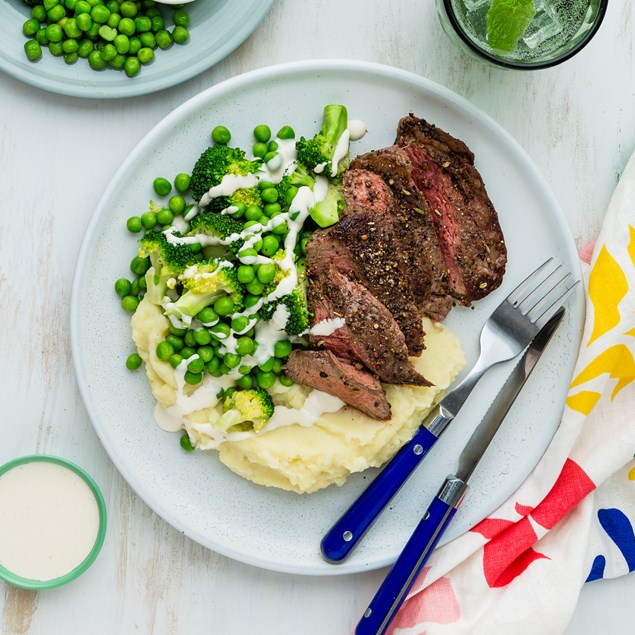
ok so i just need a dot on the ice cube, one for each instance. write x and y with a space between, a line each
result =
472 5
546 24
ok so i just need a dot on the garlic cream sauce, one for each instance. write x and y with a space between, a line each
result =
50 520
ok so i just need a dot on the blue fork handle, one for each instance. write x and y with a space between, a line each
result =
340 540
394 589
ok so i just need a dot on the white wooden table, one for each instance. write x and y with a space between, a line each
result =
577 121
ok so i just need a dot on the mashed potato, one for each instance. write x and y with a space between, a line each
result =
307 455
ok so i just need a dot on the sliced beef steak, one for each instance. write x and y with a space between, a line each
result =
419 239
373 249
370 334
324 371
464 217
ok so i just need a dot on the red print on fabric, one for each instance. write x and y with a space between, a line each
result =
509 551
437 603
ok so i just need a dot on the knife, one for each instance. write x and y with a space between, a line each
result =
401 577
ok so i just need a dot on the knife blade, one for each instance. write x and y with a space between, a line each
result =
393 590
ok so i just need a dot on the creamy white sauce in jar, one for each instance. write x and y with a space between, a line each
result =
50 520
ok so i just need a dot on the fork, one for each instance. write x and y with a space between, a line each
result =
505 334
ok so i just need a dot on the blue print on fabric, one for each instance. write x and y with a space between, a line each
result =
620 530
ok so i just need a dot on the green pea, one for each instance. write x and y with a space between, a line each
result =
71 29
212 365
38 13
33 50
280 229
270 245
177 204
133 361
259 150
272 209
161 185
251 300
175 330
41 38
148 219
114 20
148 40
186 444
262 133
224 306
269 156
56 13
202 337
206 353
100 14
291 193
84 21
55 48
253 212
221 135
286 132
265 379
255 287
146 55
165 217
139 265
164 350
207 315
246 382
122 287
245 346
286 381
269 195
282 348
193 378
130 303
189 338
221 331
182 182
70 46
240 323
231 360
126 26
81 6
135 289
134 223
267 366
180 35
128 9
31 27
181 18
158 23
96 62
85 47
164 39
266 273
142 283
272 146
176 342
245 274
135 45
109 52
143 24
187 352
196 365
54 33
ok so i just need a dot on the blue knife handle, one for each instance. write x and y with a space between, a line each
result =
394 589
340 540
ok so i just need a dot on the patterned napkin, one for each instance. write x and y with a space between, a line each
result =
572 521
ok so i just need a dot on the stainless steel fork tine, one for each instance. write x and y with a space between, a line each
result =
551 310
527 284
538 294
536 310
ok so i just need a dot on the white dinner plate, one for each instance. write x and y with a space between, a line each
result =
217 27
194 492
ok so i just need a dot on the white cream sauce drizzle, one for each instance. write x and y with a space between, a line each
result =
266 333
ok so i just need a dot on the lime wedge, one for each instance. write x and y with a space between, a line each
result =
507 21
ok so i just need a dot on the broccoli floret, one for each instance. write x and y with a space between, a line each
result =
216 162
327 211
320 150
203 284
168 261
244 197
299 318
215 224
244 407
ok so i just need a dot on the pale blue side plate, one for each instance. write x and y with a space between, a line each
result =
217 27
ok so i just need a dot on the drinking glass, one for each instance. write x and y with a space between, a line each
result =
558 30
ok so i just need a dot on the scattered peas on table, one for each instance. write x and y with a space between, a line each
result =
116 34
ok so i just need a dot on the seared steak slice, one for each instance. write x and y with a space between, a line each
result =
419 239
370 334
326 372
363 188
464 217
366 247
